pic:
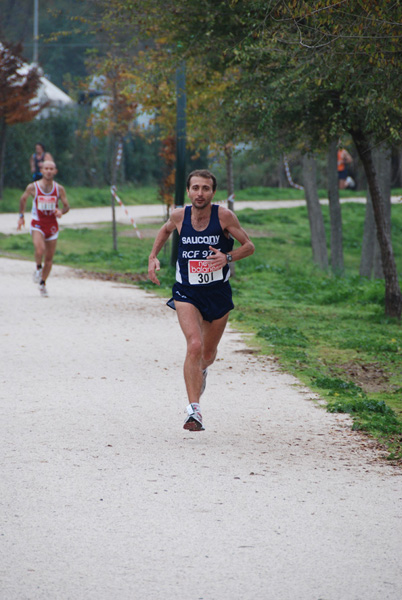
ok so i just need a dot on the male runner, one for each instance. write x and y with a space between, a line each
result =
202 295
344 161
44 229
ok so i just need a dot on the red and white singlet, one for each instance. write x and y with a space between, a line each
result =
43 211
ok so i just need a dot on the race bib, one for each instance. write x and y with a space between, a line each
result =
201 272
47 203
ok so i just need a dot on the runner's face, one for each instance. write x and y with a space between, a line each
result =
48 170
200 192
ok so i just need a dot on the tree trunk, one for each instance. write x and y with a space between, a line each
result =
369 240
393 296
3 132
335 212
399 184
229 175
382 163
318 242
282 181
230 188
371 254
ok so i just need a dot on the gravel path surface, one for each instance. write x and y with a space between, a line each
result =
104 496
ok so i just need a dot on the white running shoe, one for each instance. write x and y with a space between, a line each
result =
43 290
194 419
204 381
37 275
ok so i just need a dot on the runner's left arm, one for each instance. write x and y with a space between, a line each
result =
230 222
64 201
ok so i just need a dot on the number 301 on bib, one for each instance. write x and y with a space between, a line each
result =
201 272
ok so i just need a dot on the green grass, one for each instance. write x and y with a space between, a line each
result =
329 331
87 197
268 193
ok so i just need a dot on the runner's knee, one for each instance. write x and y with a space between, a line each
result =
48 261
194 347
209 357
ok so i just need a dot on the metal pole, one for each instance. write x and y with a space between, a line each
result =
180 148
35 31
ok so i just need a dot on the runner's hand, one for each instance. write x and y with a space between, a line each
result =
21 223
218 257
153 265
58 213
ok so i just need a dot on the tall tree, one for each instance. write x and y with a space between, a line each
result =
18 87
116 116
370 261
318 242
312 69
392 289
316 69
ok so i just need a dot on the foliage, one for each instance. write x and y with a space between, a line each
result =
213 115
305 76
117 113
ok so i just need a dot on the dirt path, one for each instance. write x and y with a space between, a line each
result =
104 496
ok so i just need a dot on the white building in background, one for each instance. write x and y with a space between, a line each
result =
50 94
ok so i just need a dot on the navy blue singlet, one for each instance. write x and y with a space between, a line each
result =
192 268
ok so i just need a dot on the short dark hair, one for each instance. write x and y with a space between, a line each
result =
202 173
41 145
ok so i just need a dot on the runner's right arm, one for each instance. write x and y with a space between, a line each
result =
29 191
174 222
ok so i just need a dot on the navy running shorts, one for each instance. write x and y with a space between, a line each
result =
343 174
213 302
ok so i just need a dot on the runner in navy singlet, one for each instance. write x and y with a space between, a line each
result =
197 280
202 295
37 159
